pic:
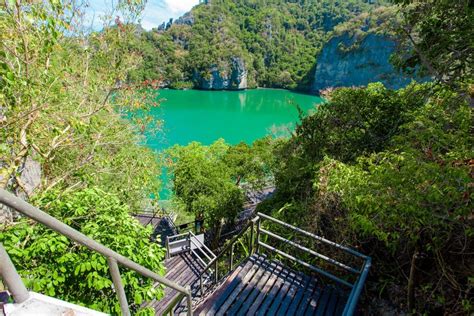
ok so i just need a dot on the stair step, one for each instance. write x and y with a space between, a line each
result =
266 287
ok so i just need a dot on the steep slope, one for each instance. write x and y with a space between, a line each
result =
274 43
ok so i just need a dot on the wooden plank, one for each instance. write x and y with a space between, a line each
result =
286 283
260 289
290 296
273 292
200 310
331 308
267 288
243 280
232 286
311 291
250 286
299 295
322 304
176 270
341 303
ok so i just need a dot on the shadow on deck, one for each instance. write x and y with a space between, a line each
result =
260 286
183 269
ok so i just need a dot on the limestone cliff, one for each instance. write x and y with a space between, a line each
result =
232 77
348 61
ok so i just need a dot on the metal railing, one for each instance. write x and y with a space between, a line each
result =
254 246
356 287
19 291
186 241
228 248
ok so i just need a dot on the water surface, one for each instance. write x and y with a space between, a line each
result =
205 116
236 116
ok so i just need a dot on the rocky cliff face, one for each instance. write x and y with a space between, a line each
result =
344 61
234 78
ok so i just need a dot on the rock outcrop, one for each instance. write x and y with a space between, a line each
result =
234 78
345 61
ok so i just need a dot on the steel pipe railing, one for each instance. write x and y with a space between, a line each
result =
316 237
36 214
310 251
11 278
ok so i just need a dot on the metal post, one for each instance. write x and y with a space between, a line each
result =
201 285
257 246
189 299
189 240
167 247
231 260
251 238
115 273
12 279
216 276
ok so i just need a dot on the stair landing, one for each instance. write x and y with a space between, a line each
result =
183 269
260 286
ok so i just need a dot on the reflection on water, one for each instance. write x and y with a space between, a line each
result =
236 116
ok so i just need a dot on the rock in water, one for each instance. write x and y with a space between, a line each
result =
232 78
344 61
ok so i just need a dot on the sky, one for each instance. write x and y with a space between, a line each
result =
156 11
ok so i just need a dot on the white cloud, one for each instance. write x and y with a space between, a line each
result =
180 6
159 11
156 11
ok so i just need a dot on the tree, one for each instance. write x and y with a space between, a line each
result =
49 263
65 104
438 35
202 183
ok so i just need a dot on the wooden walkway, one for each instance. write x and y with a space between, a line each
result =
266 287
183 269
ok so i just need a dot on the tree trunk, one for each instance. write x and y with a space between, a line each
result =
217 235
412 282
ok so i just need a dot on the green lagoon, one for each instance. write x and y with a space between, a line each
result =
236 116
205 116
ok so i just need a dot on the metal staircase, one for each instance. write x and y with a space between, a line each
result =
268 275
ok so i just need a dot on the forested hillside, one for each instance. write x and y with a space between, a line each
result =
239 44
387 172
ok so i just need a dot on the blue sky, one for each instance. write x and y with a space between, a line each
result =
156 11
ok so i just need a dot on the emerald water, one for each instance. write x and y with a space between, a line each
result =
205 116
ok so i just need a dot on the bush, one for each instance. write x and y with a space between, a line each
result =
51 264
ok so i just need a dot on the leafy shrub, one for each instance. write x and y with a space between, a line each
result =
51 264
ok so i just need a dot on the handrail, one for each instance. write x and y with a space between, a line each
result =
202 244
36 214
356 287
229 246
314 253
11 277
197 246
305 264
319 238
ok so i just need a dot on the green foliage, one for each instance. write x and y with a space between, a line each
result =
56 105
51 264
202 183
207 180
438 37
277 40
354 122
391 173
56 108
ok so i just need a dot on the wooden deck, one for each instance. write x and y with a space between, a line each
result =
266 287
184 270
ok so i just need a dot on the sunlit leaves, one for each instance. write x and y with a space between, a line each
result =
56 266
